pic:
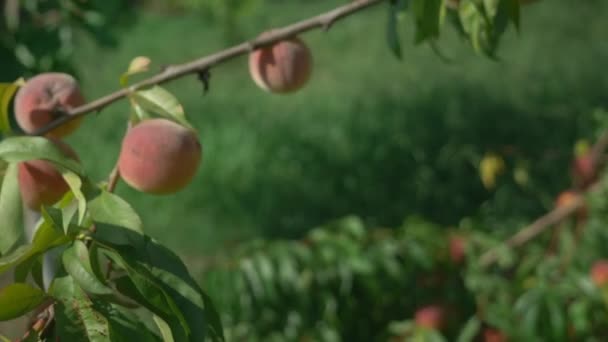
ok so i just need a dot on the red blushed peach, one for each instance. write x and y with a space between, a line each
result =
159 156
584 171
493 335
599 273
39 181
37 102
283 67
430 317
566 197
457 246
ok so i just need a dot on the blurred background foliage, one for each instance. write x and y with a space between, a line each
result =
370 136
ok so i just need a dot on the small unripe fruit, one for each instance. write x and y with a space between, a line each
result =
430 317
159 156
282 67
37 102
40 182
599 273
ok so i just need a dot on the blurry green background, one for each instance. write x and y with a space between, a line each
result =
369 135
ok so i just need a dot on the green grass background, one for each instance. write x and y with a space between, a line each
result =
369 135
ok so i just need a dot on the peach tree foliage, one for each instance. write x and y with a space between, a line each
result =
147 292
348 282
39 35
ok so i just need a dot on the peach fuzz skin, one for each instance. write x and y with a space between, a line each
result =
283 67
36 103
40 182
159 156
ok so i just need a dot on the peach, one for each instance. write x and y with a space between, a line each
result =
584 171
430 317
282 67
566 197
40 182
457 246
599 273
493 335
36 103
159 156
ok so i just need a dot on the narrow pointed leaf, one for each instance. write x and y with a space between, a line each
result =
11 211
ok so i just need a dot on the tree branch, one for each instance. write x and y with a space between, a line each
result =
553 217
172 72
529 232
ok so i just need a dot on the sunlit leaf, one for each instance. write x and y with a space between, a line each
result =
159 101
75 184
138 65
7 91
11 211
490 167
23 148
110 209
19 299
164 329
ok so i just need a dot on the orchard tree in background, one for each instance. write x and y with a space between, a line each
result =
112 282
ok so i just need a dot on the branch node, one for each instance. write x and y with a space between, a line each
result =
204 76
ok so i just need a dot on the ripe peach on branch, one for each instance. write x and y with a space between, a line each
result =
282 67
159 156
43 99
40 182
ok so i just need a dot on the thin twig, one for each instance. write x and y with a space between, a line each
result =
172 72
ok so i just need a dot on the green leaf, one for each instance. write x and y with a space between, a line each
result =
142 288
19 299
138 65
7 90
11 210
110 209
23 148
46 237
76 318
138 113
470 330
4 338
160 101
125 326
146 261
164 329
23 270
53 217
392 34
77 263
75 184
427 15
